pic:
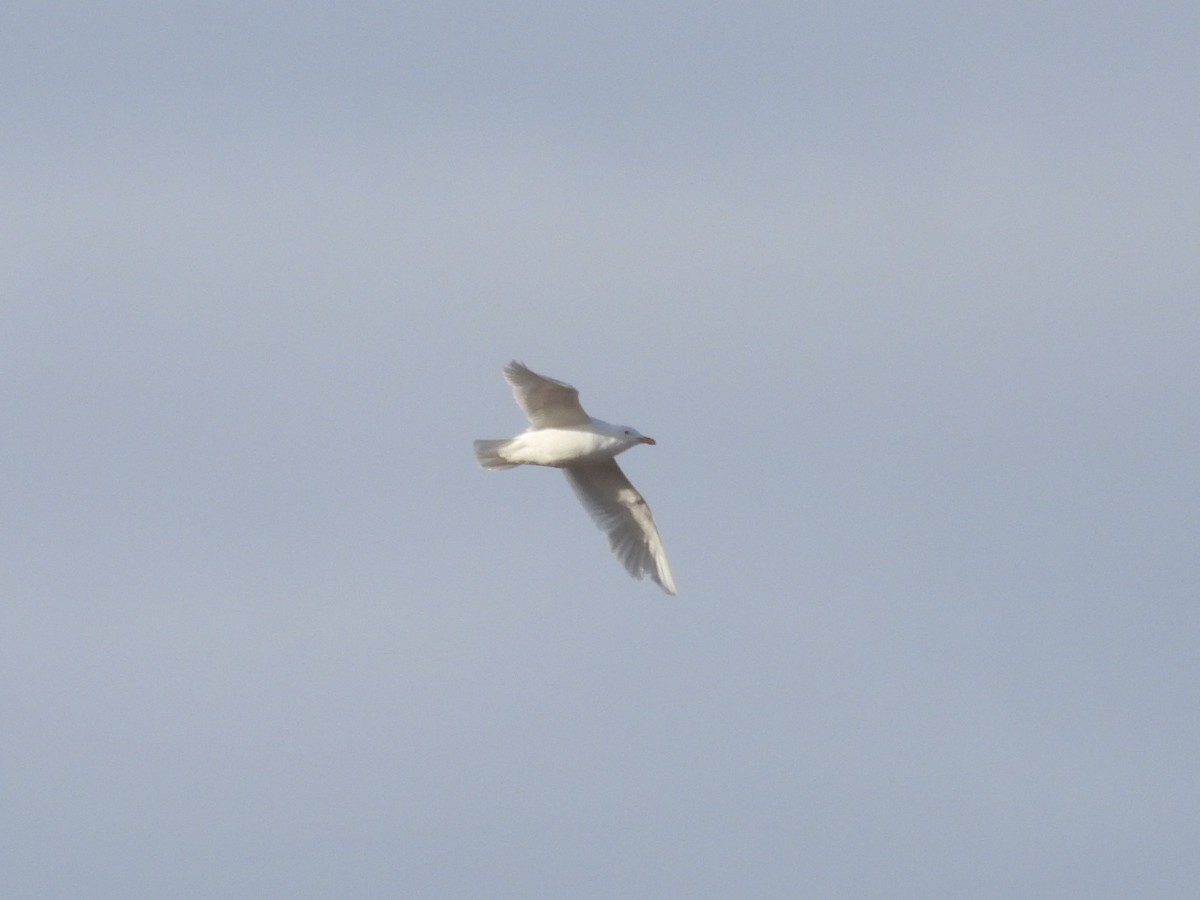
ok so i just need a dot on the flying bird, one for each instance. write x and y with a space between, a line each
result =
562 435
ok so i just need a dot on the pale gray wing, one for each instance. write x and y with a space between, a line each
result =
547 403
621 511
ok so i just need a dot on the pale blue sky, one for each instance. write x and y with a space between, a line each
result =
907 295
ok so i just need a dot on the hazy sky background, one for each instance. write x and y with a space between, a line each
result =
909 295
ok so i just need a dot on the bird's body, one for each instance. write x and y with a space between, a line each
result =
563 436
562 447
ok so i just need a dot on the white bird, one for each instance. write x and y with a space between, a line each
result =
562 435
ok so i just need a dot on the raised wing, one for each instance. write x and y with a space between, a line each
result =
622 513
547 403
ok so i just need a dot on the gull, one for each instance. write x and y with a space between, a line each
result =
562 435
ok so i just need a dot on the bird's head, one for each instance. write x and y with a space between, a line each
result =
631 436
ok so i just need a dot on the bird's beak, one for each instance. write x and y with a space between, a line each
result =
646 440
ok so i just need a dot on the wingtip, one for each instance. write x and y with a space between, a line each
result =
661 573
514 370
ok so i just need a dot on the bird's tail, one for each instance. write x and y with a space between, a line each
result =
488 454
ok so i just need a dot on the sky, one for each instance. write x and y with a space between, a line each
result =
907 295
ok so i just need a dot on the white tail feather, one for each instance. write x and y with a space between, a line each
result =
489 454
